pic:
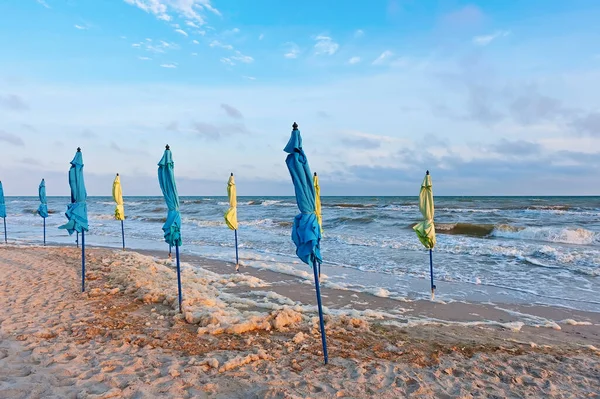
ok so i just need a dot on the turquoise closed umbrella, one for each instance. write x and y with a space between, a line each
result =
43 208
306 231
77 209
172 227
3 211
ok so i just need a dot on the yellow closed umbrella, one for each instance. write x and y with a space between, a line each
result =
426 230
117 194
318 201
231 215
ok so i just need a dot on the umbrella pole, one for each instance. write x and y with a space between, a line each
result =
77 240
82 260
321 322
178 275
44 231
237 259
431 273
169 251
5 237
123 233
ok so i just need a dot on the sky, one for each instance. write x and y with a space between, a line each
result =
494 98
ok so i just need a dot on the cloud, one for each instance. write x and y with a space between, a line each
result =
261 36
231 31
359 33
293 50
249 77
325 45
191 10
227 61
80 27
467 16
383 57
191 24
354 60
145 58
363 143
195 42
217 132
115 147
157 47
11 139
182 32
171 65
13 102
246 59
232 112
587 124
516 148
43 3
194 54
216 43
530 107
487 39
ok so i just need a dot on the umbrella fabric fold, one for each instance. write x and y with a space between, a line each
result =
426 230
318 202
43 208
306 232
231 214
117 194
77 209
166 179
172 227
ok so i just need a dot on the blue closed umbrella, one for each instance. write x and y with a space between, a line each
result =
77 209
172 227
43 208
3 211
306 232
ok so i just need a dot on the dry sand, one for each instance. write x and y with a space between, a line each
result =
255 335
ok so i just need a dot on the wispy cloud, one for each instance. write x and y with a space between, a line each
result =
172 65
13 102
354 60
293 50
43 3
80 27
385 56
325 45
182 32
261 36
249 77
246 59
216 43
359 33
192 24
231 31
217 132
11 138
195 42
194 54
487 39
145 58
227 61
232 112
153 46
192 10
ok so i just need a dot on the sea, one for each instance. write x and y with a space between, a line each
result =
523 250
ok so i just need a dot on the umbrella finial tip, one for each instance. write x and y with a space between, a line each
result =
78 149
295 126
427 172
167 147
117 174
231 173
315 173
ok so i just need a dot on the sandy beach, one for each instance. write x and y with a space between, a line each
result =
255 334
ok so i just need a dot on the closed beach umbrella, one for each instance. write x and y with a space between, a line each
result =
117 194
306 232
172 227
426 230
43 208
77 209
231 215
3 211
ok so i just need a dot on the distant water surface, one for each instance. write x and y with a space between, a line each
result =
509 249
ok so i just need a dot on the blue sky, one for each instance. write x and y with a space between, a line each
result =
494 97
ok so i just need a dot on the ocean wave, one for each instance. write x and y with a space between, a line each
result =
350 220
346 205
565 235
192 201
467 229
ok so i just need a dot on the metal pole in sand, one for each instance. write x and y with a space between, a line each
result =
321 322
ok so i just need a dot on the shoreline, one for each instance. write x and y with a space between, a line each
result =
124 338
